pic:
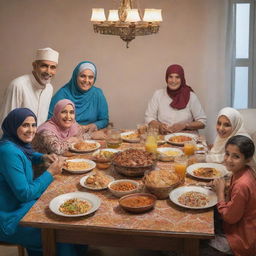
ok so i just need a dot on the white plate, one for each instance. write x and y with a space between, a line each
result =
83 179
85 151
92 165
176 193
164 157
129 140
191 135
219 167
57 201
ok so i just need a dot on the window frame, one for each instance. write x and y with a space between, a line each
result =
244 62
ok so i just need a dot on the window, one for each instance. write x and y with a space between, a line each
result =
243 54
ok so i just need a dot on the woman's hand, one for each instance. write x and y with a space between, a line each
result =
56 167
176 127
99 135
90 128
163 128
219 186
49 158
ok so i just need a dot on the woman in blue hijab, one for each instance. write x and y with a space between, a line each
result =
18 188
90 102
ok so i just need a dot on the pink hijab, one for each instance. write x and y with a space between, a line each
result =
180 97
54 126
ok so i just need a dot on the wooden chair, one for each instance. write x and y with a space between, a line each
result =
21 250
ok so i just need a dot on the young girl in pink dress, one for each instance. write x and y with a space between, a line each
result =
238 209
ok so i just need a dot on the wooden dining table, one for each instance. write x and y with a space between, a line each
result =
166 227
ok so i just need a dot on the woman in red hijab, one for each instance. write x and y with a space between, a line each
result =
176 107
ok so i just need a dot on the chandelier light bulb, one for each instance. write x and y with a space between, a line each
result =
133 15
98 14
113 15
153 15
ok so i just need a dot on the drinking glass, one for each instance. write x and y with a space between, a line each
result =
151 142
142 129
142 132
200 157
189 148
113 139
180 166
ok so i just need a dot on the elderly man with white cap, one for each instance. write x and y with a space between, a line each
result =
33 91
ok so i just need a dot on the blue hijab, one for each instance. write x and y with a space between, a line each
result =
91 105
10 125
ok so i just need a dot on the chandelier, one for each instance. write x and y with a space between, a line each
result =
126 22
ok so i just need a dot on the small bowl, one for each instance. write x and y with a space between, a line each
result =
120 193
138 202
103 162
162 153
101 165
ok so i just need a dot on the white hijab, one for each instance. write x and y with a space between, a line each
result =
218 150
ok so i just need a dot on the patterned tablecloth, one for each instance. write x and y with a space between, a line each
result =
165 217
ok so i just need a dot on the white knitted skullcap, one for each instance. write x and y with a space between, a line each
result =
47 54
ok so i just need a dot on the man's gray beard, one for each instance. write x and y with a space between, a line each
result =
44 81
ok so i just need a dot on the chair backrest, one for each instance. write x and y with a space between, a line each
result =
249 117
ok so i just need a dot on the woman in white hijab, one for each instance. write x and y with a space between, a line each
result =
229 123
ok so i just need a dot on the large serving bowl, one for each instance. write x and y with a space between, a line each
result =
161 182
133 162
133 171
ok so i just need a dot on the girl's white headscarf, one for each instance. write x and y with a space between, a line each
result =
218 150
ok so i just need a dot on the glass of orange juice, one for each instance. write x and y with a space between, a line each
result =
151 141
189 148
180 166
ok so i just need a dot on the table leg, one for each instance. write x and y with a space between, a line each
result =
48 241
191 247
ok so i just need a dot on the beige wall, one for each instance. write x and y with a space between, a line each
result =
192 34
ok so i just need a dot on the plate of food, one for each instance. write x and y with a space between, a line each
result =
104 155
207 171
168 153
96 181
85 146
193 197
75 204
180 138
131 136
79 165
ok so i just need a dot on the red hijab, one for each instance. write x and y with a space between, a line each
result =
180 97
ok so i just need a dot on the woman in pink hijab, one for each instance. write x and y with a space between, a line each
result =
56 134
175 107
